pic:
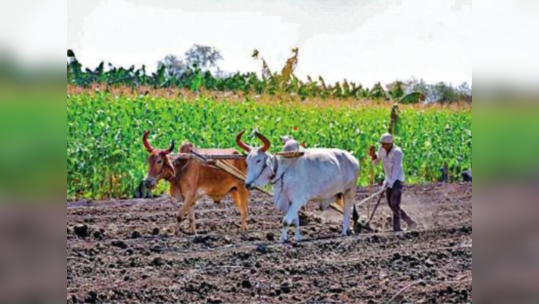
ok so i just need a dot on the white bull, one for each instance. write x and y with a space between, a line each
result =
320 175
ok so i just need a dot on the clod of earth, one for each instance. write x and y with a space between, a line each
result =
157 262
336 289
202 239
326 268
91 297
119 244
98 235
82 231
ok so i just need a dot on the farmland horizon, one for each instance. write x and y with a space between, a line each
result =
153 68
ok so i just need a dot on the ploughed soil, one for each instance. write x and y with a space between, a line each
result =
125 252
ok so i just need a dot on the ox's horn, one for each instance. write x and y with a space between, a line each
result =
240 143
264 140
170 149
146 143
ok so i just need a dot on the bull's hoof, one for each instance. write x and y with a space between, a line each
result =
177 231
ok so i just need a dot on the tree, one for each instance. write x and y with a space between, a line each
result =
197 57
465 92
445 93
204 57
441 92
377 92
419 85
396 89
174 67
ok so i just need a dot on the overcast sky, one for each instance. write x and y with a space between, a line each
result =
361 40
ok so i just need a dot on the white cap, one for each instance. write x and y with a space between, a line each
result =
386 139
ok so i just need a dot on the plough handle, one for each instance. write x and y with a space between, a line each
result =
380 192
376 207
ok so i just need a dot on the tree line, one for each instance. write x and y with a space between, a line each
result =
199 68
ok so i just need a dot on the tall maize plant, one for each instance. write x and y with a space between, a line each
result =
105 157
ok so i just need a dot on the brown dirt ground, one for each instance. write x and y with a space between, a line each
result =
125 252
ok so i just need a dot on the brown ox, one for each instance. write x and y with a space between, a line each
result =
189 180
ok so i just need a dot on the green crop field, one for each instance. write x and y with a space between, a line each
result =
105 156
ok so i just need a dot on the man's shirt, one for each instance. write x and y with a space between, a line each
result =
392 164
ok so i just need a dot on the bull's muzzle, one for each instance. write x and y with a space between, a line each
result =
149 183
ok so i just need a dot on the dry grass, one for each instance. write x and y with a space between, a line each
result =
185 94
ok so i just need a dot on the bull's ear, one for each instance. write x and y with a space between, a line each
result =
170 166
269 164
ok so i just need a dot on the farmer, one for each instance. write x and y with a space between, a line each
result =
391 156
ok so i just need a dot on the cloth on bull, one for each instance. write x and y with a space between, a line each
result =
290 144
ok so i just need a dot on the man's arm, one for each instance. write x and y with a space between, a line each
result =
397 167
375 157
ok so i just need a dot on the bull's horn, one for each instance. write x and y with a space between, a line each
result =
170 149
264 140
241 144
146 143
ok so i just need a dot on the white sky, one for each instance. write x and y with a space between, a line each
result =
361 40
33 30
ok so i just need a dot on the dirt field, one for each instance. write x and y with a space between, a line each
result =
124 252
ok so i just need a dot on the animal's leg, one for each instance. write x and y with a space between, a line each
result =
187 205
298 234
284 233
244 196
347 210
240 199
291 218
192 220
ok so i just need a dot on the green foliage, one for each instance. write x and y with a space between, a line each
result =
105 156
441 92
31 124
193 74
396 90
412 98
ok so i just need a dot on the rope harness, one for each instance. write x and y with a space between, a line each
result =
272 180
169 179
